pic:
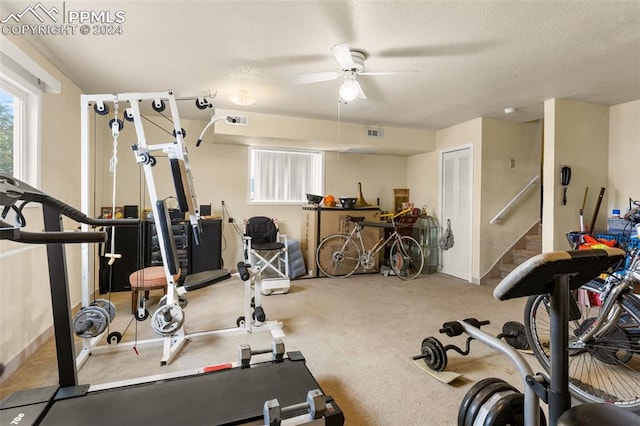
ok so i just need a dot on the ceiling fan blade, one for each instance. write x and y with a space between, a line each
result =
343 55
316 77
361 94
387 72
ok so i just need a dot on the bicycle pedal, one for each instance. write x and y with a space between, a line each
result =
386 271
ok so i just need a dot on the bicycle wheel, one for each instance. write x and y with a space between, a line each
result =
406 258
338 256
606 369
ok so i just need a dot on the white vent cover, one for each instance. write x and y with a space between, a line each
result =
375 133
238 120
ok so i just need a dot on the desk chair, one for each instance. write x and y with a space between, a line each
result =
265 249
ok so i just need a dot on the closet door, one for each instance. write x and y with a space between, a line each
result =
456 196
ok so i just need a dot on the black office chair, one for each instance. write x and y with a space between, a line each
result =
265 249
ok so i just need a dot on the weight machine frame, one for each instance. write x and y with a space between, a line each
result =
177 152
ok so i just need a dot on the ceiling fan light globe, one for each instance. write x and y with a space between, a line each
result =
349 90
242 98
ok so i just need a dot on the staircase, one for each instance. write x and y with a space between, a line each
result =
525 248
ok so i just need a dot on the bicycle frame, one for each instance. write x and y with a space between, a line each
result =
382 242
610 311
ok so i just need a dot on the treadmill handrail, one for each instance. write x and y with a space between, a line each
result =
13 190
26 237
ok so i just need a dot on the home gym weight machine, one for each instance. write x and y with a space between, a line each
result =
168 319
279 391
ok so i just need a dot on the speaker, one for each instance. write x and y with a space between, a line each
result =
207 256
131 212
205 210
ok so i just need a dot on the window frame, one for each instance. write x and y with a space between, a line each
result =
22 155
250 181
25 78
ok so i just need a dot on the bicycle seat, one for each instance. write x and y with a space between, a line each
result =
376 224
537 275
355 219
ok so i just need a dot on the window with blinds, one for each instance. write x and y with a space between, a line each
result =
281 176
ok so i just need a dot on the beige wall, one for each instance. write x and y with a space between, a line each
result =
301 133
624 156
220 173
494 183
575 134
25 304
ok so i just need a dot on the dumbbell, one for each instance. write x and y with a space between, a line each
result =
245 352
434 353
315 404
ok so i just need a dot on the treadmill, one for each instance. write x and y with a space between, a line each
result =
280 391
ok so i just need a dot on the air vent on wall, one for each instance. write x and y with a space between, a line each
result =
238 120
375 133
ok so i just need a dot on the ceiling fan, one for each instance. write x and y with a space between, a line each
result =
351 65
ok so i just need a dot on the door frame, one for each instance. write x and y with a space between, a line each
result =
441 154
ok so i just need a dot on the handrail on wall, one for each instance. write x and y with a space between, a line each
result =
514 200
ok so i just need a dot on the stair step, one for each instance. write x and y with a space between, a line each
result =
494 281
533 243
505 269
521 255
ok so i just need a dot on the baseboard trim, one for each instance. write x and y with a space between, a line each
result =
16 362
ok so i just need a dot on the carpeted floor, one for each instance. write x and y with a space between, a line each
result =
357 335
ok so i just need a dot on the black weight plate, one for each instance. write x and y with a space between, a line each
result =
508 411
470 396
483 396
515 335
437 360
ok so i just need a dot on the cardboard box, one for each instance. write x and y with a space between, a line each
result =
320 222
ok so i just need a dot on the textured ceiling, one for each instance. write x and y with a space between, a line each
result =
474 58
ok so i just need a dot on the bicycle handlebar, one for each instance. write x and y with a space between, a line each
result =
400 213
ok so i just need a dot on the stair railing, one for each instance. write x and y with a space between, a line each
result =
498 217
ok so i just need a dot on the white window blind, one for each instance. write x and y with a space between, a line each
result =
284 176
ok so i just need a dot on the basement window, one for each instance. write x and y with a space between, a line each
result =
280 176
22 84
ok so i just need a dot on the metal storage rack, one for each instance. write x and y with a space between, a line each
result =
426 232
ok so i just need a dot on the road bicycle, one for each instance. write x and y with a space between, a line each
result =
604 335
340 255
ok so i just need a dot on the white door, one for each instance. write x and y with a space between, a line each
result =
456 194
